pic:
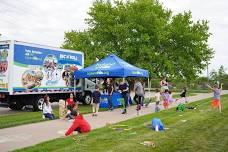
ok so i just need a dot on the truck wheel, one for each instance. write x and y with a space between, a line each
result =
87 98
38 104
15 106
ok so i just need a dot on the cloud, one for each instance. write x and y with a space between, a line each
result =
45 21
216 13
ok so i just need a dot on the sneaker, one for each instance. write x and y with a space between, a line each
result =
124 112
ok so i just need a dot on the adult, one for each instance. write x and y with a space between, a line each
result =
110 89
71 104
139 94
164 84
47 110
124 89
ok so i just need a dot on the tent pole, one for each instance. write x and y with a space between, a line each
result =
149 87
74 87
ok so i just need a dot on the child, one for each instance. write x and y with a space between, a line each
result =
165 97
80 124
157 99
47 110
171 97
123 87
184 94
96 101
216 98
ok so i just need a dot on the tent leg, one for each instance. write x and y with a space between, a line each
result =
148 86
74 87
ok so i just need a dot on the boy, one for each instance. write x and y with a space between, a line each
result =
123 87
80 124
216 98
96 100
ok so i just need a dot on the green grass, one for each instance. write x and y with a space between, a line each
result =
21 118
204 131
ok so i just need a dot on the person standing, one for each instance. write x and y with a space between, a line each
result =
157 100
216 103
139 94
164 84
123 87
96 95
110 89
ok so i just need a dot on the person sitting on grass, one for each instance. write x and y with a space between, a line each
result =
47 110
216 103
80 124
96 101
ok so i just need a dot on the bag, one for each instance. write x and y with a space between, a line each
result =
180 107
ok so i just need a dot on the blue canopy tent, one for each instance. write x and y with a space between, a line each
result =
111 66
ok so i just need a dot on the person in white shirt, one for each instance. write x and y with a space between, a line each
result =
47 110
157 99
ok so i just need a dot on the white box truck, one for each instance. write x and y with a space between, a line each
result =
29 71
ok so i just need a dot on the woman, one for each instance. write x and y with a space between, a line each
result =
47 110
71 104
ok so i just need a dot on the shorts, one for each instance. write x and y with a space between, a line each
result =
165 103
215 103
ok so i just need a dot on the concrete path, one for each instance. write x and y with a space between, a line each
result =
31 134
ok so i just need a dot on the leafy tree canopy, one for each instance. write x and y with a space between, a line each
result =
145 34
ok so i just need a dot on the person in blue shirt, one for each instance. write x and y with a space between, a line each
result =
124 89
96 95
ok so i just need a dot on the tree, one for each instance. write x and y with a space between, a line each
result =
145 34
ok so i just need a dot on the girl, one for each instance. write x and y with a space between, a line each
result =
47 110
165 97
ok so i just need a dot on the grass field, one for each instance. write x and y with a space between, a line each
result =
202 131
32 117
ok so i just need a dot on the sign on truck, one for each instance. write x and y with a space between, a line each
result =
28 71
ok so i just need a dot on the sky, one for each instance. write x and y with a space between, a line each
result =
45 21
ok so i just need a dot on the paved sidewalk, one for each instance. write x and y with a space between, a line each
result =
31 134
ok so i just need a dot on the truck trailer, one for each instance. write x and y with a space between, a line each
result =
29 71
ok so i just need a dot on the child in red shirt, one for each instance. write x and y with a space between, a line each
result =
80 124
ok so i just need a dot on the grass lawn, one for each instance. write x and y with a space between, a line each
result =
32 117
204 131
